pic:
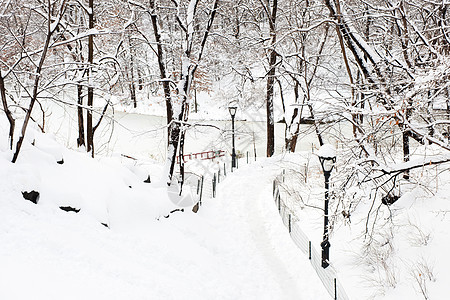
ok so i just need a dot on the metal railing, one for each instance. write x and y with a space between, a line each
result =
206 185
202 155
328 275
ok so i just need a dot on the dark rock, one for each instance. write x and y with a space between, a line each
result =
69 208
106 225
178 209
60 162
195 208
32 196
389 199
148 179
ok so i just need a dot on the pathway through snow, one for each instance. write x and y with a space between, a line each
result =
247 192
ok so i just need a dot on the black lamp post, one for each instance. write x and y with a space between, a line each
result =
327 159
233 110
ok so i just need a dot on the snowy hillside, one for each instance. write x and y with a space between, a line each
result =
235 247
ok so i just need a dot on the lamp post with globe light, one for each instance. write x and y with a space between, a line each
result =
233 110
327 157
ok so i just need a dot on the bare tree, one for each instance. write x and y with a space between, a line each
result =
401 54
90 89
8 113
188 18
271 11
51 15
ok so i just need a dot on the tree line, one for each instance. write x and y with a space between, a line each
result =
379 66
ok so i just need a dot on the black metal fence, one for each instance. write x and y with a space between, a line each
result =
328 275
207 184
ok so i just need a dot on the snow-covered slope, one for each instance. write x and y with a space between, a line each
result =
235 247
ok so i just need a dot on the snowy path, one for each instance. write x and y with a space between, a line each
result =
252 197
247 194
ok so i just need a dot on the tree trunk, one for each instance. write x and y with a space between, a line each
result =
8 113
293 128
406 133
272 14
162 66
90 101
406 151
173 129
132 85
448 114
181 155
80 140
355 116
269 107
133 92
316 125
174 137
140 80
291 140
237 24
34 94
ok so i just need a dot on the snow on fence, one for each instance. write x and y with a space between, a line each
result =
328 275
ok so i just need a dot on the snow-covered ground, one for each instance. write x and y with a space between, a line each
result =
235 248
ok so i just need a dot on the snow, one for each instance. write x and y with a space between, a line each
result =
367 48
326 150
236 247
132 239
190 16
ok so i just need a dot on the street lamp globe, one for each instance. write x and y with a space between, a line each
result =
232 110
327 157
